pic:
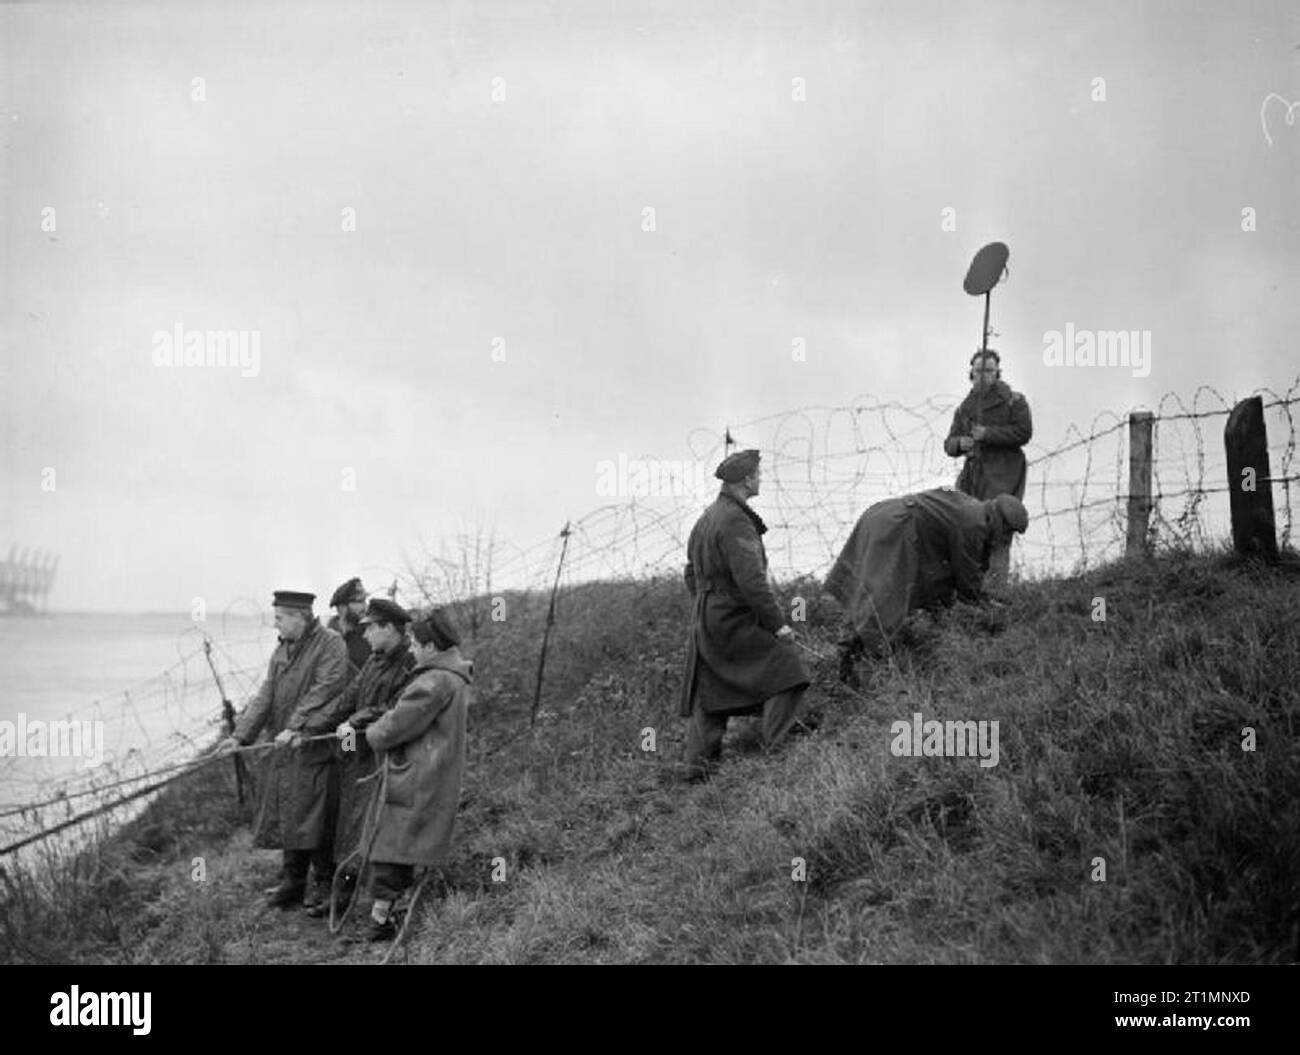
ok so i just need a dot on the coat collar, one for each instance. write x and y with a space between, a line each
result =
998 392
394 657
447 659
309 631
757 520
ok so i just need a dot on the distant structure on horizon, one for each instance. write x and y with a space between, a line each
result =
26 579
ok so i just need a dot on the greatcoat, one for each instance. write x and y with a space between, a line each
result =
355 638
912 552
423 737
734 661
997 464
368 696
302 692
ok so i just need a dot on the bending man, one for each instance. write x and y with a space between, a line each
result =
912 552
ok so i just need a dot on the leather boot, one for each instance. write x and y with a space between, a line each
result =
293 880
848 672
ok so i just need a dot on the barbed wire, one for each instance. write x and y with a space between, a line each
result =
822 466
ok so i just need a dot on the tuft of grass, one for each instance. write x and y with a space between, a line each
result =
1120 745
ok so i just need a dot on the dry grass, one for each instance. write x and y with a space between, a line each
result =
1120 740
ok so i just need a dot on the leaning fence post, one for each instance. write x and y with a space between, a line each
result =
1139 481
550 620
1250 487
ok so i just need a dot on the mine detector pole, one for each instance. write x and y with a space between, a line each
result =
550 621
984 347
227 717
985 272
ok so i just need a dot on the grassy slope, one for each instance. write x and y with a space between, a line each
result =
1119 740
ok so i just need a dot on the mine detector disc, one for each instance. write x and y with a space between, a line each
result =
986 269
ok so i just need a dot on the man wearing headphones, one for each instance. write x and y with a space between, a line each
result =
989 428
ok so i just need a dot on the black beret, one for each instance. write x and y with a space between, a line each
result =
352 590
432 624
736 467
382 610
293 599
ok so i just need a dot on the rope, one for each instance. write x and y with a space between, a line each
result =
183 767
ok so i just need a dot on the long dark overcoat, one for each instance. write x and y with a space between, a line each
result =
302 692
910 552
423 738
369 695
734 661
997 465
355 638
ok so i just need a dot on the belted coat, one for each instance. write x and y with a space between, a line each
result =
912 552
423 740
734 661
997 464
302 692
369 695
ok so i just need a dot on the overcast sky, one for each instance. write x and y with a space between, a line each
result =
205 163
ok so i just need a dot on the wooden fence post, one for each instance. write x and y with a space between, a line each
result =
1139 482
1250 487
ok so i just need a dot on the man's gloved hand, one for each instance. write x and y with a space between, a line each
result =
228 746
965 443
288 738
345 730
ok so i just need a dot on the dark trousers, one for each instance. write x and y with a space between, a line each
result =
388 880
705 731
293 870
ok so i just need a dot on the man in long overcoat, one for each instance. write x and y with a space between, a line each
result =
367 697
740 656
300 697
990 427
917 551
423 740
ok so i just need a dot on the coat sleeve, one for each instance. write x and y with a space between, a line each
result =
1015 434
350 698
743 551
951 447
255 714
320 708
385 688
416 709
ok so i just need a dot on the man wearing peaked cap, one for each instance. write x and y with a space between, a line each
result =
299 699
369 696
382 610
740 656
349 604
917 551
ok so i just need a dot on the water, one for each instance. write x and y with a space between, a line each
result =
138 689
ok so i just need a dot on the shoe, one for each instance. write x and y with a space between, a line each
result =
287 895
848 672
385 931
320 907
809 723
318 900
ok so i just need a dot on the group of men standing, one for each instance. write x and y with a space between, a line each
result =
367 716
916 551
